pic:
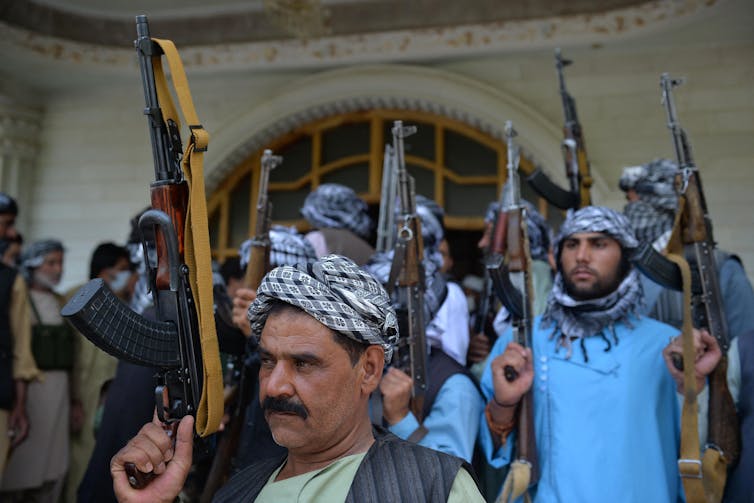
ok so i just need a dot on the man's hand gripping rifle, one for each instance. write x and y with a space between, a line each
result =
574 154
407 278
510 255
181 342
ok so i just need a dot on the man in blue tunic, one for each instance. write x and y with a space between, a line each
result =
605 408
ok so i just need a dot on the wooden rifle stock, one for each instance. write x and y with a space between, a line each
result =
172 199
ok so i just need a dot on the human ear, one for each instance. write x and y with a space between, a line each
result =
372 364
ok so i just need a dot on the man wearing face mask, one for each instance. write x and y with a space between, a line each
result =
36 469
93 368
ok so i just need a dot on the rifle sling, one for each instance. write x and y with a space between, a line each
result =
703 480
197 247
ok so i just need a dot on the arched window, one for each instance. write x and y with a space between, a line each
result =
453 163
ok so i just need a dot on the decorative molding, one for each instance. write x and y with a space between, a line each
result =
400 45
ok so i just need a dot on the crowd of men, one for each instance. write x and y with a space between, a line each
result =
330 419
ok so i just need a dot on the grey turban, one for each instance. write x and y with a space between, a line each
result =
287 247
654 213
540 234
335 292
431 215
597 219
33 255
332 205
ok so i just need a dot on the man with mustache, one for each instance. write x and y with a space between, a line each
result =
325 331
606 416
29 477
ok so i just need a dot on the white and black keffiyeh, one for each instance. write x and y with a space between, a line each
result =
431 215
654 213
575 319
287 247
337 293
332 205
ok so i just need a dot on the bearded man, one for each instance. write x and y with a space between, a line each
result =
606 415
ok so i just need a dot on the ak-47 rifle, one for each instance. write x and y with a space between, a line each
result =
243 388
181 342
510 255
706 299
407 278
574 154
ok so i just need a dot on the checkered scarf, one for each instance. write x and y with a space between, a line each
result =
435 285
579 319
335 292
332 205
654 213
431 215
287 247
540 235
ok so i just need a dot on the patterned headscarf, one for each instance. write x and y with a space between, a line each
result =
332 205
287 247
585 318
34 255
335 292
435 285
654 213
431 215
540 234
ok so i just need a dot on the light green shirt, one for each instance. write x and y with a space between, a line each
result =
333 482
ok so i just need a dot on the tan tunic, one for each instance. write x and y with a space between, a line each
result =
24 366
43 456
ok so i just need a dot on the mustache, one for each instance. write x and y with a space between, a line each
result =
275 404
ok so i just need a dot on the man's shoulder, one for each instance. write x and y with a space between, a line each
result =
386 441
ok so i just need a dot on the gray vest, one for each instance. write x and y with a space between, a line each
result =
392 470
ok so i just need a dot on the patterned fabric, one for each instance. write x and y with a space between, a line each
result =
598 219
654 213
434 285
287 247
33 255
335 292
335 205
577 319
540 234
432 216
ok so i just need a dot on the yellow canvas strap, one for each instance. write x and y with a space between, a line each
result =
703 480
516 483
196 246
